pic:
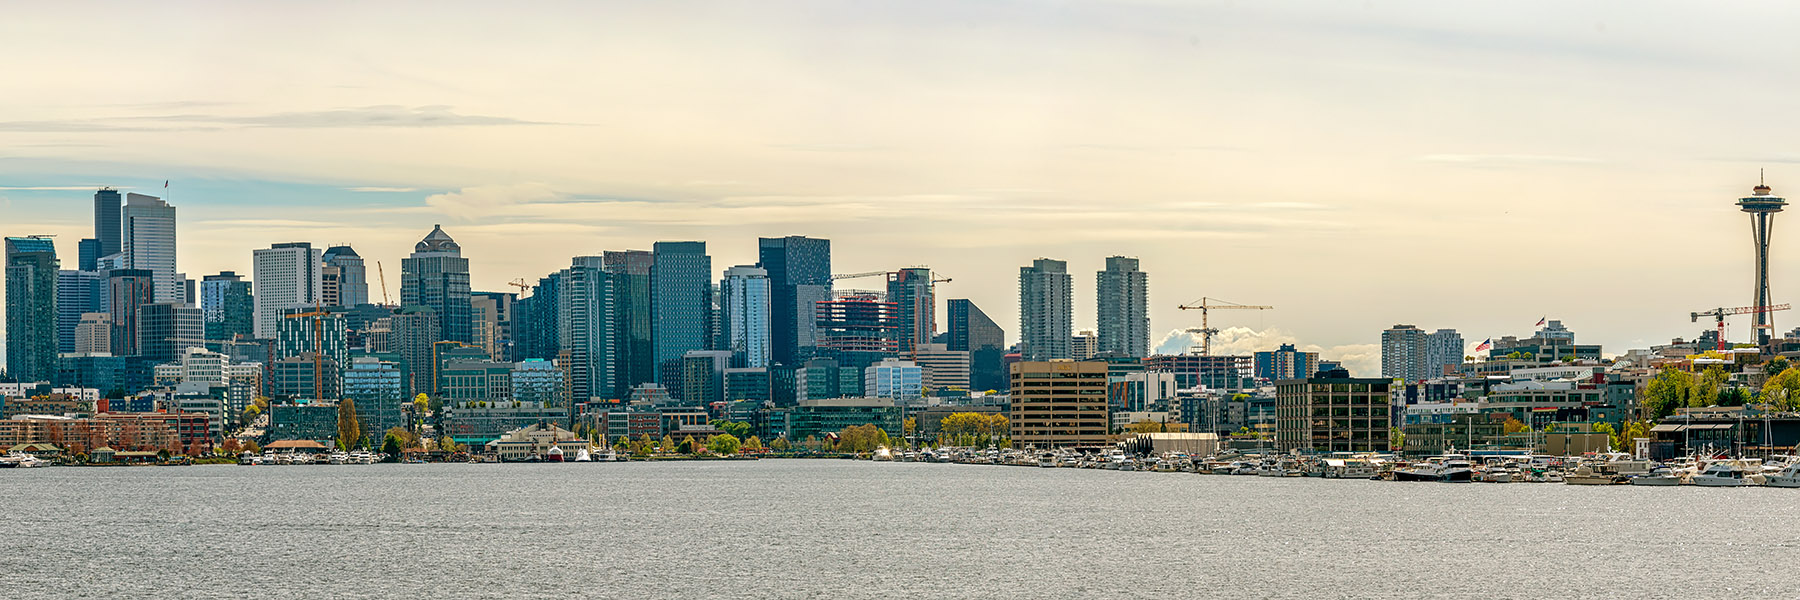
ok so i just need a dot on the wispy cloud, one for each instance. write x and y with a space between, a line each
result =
383 116
491 200
1507 160
380 189
62 188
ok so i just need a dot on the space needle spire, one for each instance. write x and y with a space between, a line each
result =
1762 205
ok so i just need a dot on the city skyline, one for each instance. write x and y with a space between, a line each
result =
1411 155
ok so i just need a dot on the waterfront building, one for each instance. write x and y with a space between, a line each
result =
1046 318
893 378
1058 404
534 441
681 306
943 369
1122 295
436 275
226 306
799 270
314 421
345 279
972 331
107 229
744 300
634 320
1285 362
816 418
1333 412
127 291
31 335
821 378
374 386
77 293
147 239
287 275
93 335
915 303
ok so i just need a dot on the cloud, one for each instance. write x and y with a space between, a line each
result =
384 116
1363 360
1507 160
60 188
491 200
380 189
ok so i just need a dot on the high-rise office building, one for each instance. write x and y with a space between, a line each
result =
227 306
378 392
351 276
107 229
1046 318
306 331
437 276
893 378
799 276
681 306
167 329
1059 404
944 368
912 292
93 334
1443 348
287 275
31 335
538 334
972 331
1403 353
1122 296
492 314
414 329
128 290
1084 345
587 323
148 239
1284 363
77 293
634 351
744 300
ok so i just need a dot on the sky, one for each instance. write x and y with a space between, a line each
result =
1470 165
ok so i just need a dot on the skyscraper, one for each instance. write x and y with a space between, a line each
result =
1762 206
437 276
681 305
227 306
106 223
286 275
31 336
972 331
1443 348
1122 296
1403 353
167 329
148 241
635 349
352 275
77 293
128 291
587 324
1046 319
911 290
413 329
744 297
799 276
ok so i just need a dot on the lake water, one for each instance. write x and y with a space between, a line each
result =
843 529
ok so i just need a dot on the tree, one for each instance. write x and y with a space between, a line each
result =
909 428
1626 436
1706 390
1667 391
1396 439
861 438
781 444
1733 396
753 443
349 430
1782 391
972 428
448 444
1774 367
1145 426
1611 434
667 444
738 429
686 446
723 444
390 444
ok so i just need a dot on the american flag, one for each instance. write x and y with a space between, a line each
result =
1484 345
1541 320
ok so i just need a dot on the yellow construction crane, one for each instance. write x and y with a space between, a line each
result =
520 283
383 273
1205 306
934 276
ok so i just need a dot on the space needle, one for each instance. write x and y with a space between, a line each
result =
1762 206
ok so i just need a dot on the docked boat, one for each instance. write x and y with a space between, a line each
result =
1658 476
21 460
1722 473
1046 460
1450 468
554 455
1787 477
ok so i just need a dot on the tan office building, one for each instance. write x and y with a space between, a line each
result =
1058 404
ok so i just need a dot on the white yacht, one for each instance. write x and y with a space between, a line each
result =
1723 473
21 460
1658 476
1787 477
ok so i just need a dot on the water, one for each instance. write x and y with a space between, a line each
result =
842 529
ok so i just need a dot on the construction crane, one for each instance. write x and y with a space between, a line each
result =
1205 306
1720 314
934 277
383 273
520 283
